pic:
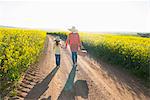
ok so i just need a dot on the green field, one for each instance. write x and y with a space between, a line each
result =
19 48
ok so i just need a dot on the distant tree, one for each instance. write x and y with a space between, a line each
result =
144 34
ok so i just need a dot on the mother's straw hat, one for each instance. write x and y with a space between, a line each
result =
73 29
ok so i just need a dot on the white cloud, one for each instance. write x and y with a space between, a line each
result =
87 16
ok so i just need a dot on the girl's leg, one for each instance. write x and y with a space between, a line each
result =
58 60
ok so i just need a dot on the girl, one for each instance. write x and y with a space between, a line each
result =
57 47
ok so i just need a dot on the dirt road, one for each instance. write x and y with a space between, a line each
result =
88 81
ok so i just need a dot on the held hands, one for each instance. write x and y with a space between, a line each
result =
64 47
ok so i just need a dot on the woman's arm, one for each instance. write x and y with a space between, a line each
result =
79 42
67 41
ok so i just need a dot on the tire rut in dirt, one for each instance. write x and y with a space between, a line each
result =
31 78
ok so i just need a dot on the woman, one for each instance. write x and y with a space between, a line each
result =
75 43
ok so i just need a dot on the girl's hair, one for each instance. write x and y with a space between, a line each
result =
57 43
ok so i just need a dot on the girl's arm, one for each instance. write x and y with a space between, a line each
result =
60 44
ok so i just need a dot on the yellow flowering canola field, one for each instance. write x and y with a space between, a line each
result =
130 52
18 49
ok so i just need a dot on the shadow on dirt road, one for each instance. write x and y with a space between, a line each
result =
41 87
71 89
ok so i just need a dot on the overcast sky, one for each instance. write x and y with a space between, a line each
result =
86 15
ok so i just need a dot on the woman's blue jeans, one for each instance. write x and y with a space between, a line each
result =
74 57
57 56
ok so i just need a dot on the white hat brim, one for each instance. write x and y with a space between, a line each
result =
73 30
